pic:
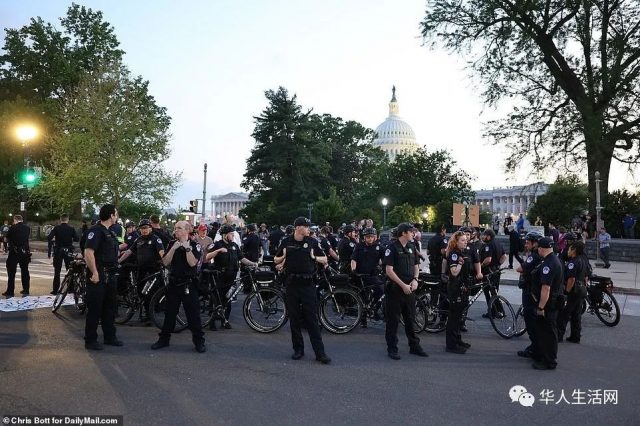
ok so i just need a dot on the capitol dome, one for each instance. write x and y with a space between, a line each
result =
394 135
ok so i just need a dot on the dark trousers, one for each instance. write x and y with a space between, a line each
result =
398 304
435 265
547 336
101 307
374 283
529 313
572 312
13 260
302 305
144 272
175 296
488 294
457 302
514 253
59 257
604 252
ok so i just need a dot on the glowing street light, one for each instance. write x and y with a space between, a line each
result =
384 212
26 133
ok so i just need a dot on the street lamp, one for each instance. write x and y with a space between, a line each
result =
26 133
598 220
384 212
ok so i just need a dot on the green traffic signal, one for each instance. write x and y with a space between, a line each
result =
29 176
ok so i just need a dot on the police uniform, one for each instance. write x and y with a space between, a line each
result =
528 303
131 238
63 236
302 303
101 296
458 295
19 254
228 265
164 237
183 289
146 250
345 250
436 243
367 258
578 269
403 261
548 273
494 250
251 247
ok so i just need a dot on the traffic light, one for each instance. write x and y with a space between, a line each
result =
29 177
193 206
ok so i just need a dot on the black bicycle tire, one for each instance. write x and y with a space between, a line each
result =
436 325
617 309
520 331
504 302
130 312
328 298
62 294
155 299
248 317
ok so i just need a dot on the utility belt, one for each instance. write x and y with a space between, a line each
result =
179 281
302 279
555 302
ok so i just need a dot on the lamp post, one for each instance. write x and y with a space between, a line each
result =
26 133
598 219
309 207
384 212
425 220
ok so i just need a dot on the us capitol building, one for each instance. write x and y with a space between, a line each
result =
394 135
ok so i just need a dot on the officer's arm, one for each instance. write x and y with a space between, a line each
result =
486 261
279 259
192 260
393 277
124 256
51 234
123 246
161 253
455 269
247 262
166 260
570 282
544 295
333 254
353 265
90 259
321 259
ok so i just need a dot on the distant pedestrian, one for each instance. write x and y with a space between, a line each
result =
3 235
605 241
520 223
628 223
514 246
19 254
263 233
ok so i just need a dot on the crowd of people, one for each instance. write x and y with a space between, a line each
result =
554 272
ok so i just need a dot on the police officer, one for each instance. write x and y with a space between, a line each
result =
492 256
63 236
182 259
226 256
297 257
435 250
159 232
148 251
460 269
251 244
547 293
570 238
346 247
576 271
275 237
531 262
327 246
101 255
402 267
130 237
19 254
366 260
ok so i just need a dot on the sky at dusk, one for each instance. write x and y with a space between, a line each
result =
209 63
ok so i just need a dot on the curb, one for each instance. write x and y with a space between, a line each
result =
618 290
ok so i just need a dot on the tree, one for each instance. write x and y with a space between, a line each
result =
111 141
134 211
618 205
565 199
404 213
570 68
330 209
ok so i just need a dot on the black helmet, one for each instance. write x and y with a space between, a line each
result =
225 229
289 230
394 232
466 230
570 236
370 231
251 228
533 236
348 228
143 222
490 233
129 223
302 221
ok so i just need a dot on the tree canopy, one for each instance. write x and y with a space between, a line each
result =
569 68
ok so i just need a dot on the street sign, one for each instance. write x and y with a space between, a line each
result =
22 206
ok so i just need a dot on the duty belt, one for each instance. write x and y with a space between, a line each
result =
302 276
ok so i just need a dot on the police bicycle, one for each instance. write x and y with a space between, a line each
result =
501 313
264 309
601 302
75 281
130 301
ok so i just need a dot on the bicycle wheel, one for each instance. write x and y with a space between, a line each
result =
436 318
80 294
521 326
265 311
340 311
503 318
127 305
608 310
157 311
62 293
420 319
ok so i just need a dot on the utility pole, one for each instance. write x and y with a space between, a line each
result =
204 192
598 220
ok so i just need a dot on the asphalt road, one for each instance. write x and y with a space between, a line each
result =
245 377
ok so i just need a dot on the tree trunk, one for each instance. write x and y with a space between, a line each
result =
599 156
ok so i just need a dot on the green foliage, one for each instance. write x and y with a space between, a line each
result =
110 143
565 199
134 211
618 205
404 213
330 209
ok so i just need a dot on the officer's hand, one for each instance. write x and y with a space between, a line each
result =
279 267
479 276
176 245
94 278
406 289
222 250
414 285
461 261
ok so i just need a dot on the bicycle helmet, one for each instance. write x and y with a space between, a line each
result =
301 221
533 236
251 228
348 229
370 231
289 230
225 229
129 223
144 222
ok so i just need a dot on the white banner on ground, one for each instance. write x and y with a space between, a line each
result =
31 302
